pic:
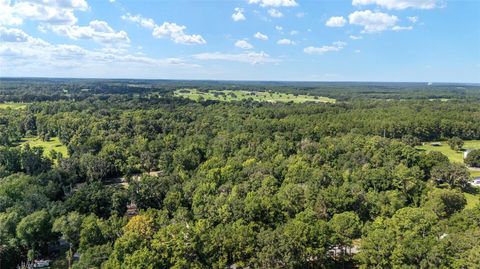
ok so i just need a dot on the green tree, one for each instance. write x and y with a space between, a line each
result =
455 143
345 228
69 227
454 174
473 158
34 230
445 202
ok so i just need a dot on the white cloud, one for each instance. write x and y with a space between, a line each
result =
294 32
26 55
98 31
58 12
243 44
279 28
358 51
176 33
285 41
401 28
413 19
336 22
274 3
248 57
144 22
336 46
169 30
373 21
300 14
356 37
18 35
238 14
261 36
401 4
275 13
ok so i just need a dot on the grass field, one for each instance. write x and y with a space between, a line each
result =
475 173
473 199
13 105
52 144
237 95
454 156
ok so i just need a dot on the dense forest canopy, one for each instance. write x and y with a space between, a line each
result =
156 181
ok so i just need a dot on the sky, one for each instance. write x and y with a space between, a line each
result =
284 40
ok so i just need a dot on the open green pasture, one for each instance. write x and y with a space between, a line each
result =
13 105
238 95
454 156
53 144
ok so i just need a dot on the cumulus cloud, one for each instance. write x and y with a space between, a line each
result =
176 33
275 13
57 12
356 37
285 41
238 15
336 46
261 36
413 19
274 3
279 28
144 22
18 35
243 44
401 4
170 30
336 22
373 22
98 31
27 55
401 28
248 57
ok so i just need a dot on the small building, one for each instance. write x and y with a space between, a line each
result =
436 144
476 182
41 263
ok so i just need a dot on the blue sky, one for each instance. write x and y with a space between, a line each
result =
335 40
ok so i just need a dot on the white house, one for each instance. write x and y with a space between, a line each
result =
476 182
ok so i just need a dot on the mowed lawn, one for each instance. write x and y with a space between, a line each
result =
473 199
53 144
13 105
454 156
238 95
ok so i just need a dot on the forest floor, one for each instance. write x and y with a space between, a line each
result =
53 144
13 105
238 95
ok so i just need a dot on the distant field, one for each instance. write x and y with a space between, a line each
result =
13 105
52 144
454 156
237 95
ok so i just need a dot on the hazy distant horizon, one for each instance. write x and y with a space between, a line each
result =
245 80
